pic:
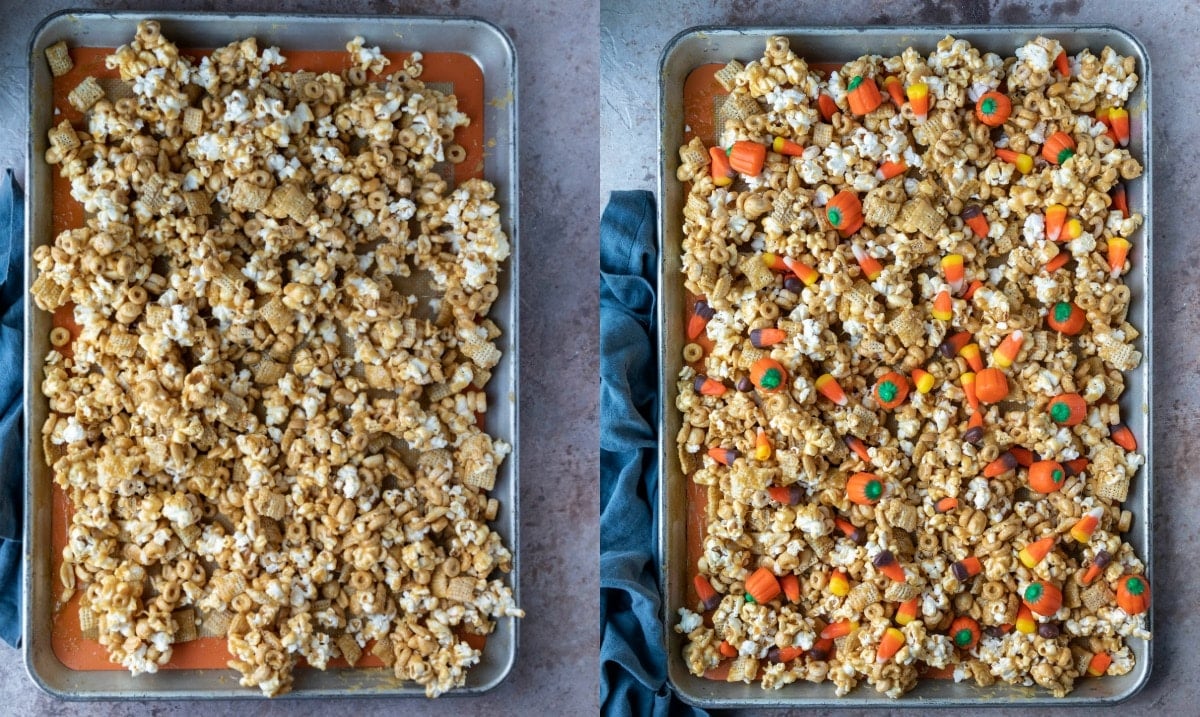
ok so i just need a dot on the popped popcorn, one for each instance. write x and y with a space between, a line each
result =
926 505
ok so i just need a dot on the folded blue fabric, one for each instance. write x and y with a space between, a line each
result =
633 675
12 462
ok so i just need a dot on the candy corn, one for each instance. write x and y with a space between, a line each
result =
971 354
762 446
943 306
1119 200
885 561
803 271
791 587
1036 551
1075 466
952 344
947 504
706 386
968 383
774 262
722 173
908 610
966 568
708 597
762 338
828 386
701 313
894 89
1099 664
1056 216
1022 161
724 456
1099 562
786 494
918 97
972 215
1118 118
1118 251
841 628
1024 455
726 649
1007 351
827 106
786 147
822 649
838 584
891 643
923 380
1123 437
952 268
851 531
1062 64
974 286
1071 230
887 170
870 266
974 432
860 449
1082 531
1059 261
784 655
1004 463
1025 622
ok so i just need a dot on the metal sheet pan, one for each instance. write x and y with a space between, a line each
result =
703 45
493 51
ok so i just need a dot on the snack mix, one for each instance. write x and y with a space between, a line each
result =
906 343
262 436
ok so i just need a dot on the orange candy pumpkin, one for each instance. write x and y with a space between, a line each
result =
1043 598
762 587
1046 476
993 109
891 390
965 632
747 157
864 489
863 95
1067 318
844 212
1133 594
1059 147
991 385
768 374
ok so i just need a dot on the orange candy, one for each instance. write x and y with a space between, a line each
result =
762 586
864 488
1042 598
1046 476
991 385
891 390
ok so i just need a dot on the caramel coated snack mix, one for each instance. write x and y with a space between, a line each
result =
262 436
907 339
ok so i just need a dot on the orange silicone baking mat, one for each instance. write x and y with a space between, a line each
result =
452 72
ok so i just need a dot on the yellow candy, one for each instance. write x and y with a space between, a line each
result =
838 585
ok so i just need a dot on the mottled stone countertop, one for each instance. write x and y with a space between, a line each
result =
559 498
632 37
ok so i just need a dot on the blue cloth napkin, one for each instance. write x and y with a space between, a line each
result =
12 462
633 673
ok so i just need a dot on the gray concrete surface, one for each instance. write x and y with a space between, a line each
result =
632 37
556 669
